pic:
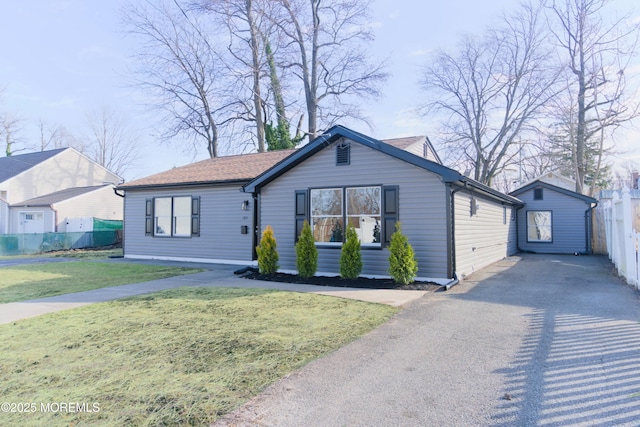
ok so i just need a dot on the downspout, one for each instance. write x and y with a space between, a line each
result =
124 205
518 230
55 219
587 225
451 230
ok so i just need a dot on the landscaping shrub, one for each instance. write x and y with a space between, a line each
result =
306 252
350 257
267 252
402 260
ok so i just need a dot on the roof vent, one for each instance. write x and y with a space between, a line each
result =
343 153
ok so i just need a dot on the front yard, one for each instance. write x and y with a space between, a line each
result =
177 357
31 281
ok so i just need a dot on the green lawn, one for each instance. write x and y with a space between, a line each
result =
178 357
24 282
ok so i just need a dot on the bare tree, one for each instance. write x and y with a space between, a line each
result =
326 53
491 92
10 129
245 24
596 56
57 136
113 143
178 65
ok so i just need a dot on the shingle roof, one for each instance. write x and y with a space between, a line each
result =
404 143
235 168
555 188
58 196
336 132
14 165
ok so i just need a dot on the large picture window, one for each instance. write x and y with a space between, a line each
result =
539 227
332 208
173 216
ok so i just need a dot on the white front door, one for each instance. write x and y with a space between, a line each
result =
31 222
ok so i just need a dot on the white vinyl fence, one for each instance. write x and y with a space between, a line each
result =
622 238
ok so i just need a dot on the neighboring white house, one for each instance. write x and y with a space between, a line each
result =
52 212
26 177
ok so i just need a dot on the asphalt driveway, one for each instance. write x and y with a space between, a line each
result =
542 340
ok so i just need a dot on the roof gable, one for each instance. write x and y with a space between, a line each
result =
59 196
14 165
336 132
542 184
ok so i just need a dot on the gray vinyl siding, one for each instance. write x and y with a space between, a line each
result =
221 218
483 238
568 227
422 207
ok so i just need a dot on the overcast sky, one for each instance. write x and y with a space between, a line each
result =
62 58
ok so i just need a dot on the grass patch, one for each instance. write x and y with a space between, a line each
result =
178 357
25 282
98 253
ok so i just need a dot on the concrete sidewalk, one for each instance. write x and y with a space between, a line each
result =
217 276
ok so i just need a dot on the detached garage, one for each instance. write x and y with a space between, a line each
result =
554 220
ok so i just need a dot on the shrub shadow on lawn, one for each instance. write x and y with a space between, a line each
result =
360 282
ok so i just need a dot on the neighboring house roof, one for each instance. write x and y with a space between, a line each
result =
407 142
538 184
13 165
58 196
238 168
336 132
553 178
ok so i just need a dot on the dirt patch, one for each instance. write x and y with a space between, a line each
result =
360 282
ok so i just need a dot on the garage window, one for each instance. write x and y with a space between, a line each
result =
539 226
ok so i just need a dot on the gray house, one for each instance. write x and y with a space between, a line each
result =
554 220
455 224
215 210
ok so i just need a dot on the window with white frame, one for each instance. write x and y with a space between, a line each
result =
539 226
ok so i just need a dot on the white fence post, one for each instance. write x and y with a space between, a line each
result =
629 240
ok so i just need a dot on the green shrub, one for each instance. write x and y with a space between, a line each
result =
402 260
306 252
267 252
350 257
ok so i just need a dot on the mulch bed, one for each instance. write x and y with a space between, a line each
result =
360 282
